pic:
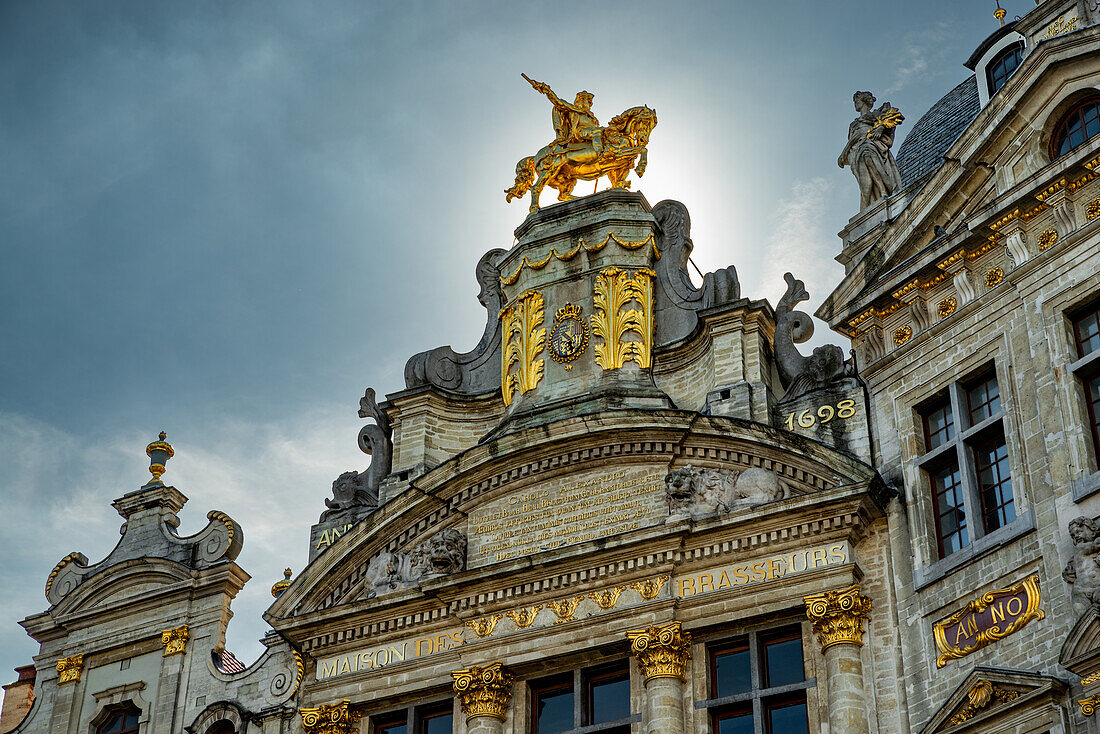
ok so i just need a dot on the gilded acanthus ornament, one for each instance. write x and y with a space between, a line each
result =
484 690
1089 705
623 318
524 617
838 616
175 640
69 669
650 588
565 609
484 626
582 149
608 598
331 718
524 339
980 696
663 651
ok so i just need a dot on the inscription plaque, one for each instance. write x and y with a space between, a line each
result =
993 615
566 511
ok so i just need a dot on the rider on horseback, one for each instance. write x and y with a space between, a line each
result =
573 123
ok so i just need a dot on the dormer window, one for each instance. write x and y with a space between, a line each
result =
1081 123
1001 67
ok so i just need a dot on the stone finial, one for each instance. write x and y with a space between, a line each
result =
663 651
159 452
175 640
279 587
69 669
484 690
837 616
330 718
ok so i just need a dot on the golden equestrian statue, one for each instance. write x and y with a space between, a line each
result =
583 150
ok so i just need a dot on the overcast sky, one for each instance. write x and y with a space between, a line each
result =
226 219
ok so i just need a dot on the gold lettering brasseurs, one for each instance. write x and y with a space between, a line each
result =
778 566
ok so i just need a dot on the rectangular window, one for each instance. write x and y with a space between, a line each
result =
967 463
758 683
435 718
595 699
1086 334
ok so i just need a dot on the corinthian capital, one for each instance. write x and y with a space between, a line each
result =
663 651
837 616
330 718
484 690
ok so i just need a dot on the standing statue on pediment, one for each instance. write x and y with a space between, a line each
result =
870 137
1083 570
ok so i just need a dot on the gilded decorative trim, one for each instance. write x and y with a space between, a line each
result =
300 665
650 588
484 691
175 640
948 651
1092 210
837 616
615 317
1089 705
994 277
330 718
565 609
224 519
608 598
524 617
524 339
72 557
484 626
980 696
947 307
1047 238
1090 679
902 335
951 259
69 669
663 651
581 245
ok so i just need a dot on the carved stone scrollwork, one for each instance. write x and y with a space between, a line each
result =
478 371
838 616
354 490
440 555
697 492
677 300
484 690
175 640
69 669
663 651
331 718
801 374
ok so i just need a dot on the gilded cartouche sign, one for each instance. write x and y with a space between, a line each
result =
988 618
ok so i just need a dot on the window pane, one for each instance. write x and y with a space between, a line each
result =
1092 392
734 724
731 672
950 512
610 700
788 718
554 711
391 729
1077 127
984 399
998 507
442 724
1087 330
939 425
783 662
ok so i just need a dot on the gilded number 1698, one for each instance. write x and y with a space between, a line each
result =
807 419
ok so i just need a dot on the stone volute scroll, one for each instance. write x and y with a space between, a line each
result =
331 718
485 694
801 374
867 153
355 491
1083 570
677 300
478 371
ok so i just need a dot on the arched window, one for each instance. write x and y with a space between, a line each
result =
222 727
1076 126
122 720
1000 68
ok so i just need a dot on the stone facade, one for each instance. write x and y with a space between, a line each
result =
636 505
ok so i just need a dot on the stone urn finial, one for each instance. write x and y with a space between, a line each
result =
159 452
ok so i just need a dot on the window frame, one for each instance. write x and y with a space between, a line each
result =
1086 368
759 699
579 681
961 452
1066 117
413 717
1016 49
123 708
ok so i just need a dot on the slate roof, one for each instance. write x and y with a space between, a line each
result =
922 151
227 662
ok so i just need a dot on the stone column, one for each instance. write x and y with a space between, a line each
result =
485 693
837 618
663 652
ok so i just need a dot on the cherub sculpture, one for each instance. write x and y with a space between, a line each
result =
1083 570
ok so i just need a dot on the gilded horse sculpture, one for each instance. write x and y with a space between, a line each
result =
583 150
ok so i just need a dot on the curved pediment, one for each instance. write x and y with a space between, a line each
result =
582 483
122 584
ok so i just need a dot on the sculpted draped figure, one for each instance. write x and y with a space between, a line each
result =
582 149
870 137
